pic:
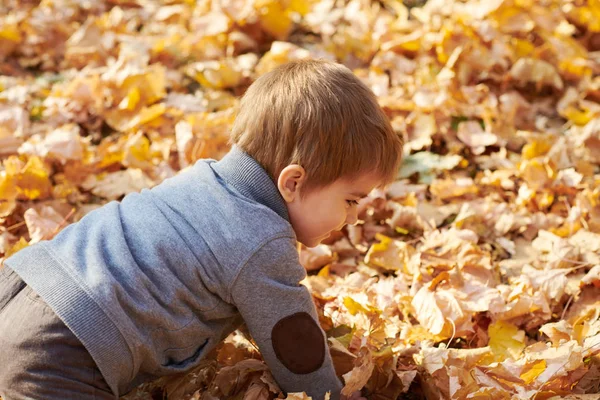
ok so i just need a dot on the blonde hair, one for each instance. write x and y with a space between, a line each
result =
319 115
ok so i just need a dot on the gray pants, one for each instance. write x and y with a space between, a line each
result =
40 358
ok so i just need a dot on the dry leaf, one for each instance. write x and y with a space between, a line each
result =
492 229
43 225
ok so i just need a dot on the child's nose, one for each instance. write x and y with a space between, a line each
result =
352 216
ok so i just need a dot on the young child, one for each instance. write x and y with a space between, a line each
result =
146 287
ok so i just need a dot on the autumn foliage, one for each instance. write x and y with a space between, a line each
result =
475 275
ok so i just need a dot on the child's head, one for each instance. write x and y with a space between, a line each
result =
319 133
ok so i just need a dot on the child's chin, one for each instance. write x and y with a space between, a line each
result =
312 243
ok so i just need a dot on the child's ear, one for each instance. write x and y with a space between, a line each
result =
290 181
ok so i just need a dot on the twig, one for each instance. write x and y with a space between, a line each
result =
453 331
60 226
15 226
567 306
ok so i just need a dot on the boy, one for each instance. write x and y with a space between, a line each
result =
146 287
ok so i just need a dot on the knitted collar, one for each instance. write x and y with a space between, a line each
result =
245 174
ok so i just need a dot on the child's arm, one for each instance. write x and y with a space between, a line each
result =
282 319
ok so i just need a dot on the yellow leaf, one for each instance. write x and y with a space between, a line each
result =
567 229
274 18
33 180
443 48
410 200
8 188
409 43
147 114
581 325
12 166
535 173
64 190
535 149
302 7
449 188
506 340
388 253
136 152
510 18
150 86
443 276
36 112
155 84
109 156
535 371
578 117
521 47
324 272
381 247
216 75
588 16
419 333
10 32
575 67
20 245
354 306
544 199
131 100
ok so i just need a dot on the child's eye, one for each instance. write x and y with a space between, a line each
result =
352 202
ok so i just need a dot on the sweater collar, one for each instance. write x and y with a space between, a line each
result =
245 174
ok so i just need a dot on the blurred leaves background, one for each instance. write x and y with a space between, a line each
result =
475 275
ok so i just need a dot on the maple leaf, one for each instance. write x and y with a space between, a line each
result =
114 185
506 340
360 374
44 224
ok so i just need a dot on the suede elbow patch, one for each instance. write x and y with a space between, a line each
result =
298 343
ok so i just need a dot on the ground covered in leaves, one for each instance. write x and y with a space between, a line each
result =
476 275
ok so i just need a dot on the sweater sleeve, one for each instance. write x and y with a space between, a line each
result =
282 319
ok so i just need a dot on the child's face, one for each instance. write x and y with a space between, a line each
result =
325 210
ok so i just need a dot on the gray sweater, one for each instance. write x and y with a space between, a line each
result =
152 283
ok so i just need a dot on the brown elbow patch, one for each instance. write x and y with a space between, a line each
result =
298 343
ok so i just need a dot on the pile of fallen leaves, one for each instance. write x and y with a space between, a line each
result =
476 275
